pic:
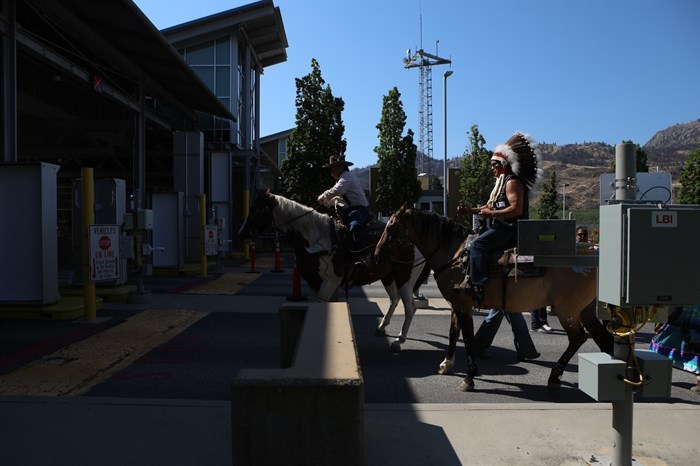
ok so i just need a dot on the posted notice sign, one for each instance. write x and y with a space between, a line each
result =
211 240
104 252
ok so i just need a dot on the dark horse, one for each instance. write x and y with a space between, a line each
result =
569 290
325 267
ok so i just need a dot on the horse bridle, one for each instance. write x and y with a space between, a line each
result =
404 239
268 210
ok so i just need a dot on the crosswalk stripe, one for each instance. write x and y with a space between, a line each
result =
75 369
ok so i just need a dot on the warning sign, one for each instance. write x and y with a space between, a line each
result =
211 240
104 252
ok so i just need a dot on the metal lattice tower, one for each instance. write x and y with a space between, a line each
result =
424 61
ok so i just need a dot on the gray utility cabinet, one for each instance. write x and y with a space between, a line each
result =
168 229
649 254
28 237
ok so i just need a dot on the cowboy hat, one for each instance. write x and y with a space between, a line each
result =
337 160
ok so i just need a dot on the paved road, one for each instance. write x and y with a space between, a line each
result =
199 362
241 331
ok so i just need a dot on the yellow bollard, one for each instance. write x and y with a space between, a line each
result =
202 235
88 209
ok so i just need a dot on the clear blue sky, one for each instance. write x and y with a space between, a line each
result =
566 71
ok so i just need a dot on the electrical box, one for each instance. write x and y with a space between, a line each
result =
656 370
600 376
648 254
547 237
144 219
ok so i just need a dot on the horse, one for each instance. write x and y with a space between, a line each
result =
325 266
569 290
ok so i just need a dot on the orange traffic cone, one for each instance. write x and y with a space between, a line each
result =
296 287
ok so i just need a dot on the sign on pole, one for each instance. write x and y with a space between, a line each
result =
211 240
104 252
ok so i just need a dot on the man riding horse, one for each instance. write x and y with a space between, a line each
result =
515 167
348 197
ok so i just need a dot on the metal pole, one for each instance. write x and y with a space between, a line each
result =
444 168
563 200
623 410
625 172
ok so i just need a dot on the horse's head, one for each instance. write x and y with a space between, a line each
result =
394 237
259 217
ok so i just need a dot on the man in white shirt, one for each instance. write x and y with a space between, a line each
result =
347 195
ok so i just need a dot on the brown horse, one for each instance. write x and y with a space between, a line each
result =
325 267
571 291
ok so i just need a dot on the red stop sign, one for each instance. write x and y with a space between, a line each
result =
104 243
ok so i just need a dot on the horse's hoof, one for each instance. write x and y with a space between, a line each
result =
395 347
445 368
553 386
380 332
466 386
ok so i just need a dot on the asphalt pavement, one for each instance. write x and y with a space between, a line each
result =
69 398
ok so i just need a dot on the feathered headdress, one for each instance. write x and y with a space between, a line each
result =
523 156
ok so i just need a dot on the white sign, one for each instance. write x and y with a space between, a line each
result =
654 186
664 219
211 240
104 252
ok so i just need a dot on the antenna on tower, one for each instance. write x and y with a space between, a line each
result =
424 61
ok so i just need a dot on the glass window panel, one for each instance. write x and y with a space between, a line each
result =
205 121
201 54
223 81
223 51
206 73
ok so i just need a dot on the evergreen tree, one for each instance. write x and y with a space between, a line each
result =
689 191
548 207
318 135
396 158
475 178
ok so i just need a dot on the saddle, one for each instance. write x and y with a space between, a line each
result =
341 231
506 263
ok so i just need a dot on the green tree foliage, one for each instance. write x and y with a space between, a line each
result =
396 158
640 155
475 177
689 192
318 135
548 207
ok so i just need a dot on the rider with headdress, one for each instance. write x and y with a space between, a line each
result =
348 196
515 166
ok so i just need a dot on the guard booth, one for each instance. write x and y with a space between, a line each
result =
28 238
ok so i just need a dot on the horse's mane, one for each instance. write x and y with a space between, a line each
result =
431 225
309 223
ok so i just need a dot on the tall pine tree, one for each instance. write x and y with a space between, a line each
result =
548 208
318 135
396 158
689 192
475 178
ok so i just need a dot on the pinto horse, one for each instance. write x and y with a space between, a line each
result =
569 290
325 267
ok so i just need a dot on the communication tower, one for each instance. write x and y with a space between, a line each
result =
424 61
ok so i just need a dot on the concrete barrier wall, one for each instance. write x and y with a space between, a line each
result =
311 411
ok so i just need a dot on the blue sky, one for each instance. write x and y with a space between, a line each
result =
565 71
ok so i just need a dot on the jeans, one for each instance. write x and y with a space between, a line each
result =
538 318
491 240
358 216
521 336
